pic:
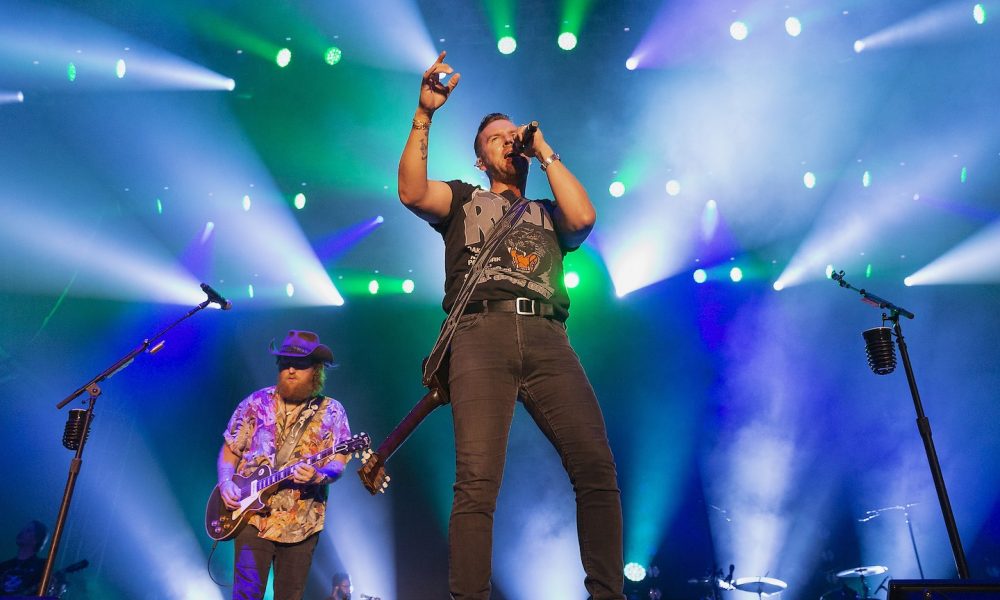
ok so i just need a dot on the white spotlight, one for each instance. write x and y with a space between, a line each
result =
632 63
673 187
793 26
859 45
809 180
635 572
739 30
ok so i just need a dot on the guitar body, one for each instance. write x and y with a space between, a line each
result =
222 524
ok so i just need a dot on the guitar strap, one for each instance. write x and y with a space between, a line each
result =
496 236
293 435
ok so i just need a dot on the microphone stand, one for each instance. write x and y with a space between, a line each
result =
871 514
94 390
923 423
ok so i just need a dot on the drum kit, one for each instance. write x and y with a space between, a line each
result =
855 584
761 586
768 586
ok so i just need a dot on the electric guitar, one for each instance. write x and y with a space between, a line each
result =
223 524
372 472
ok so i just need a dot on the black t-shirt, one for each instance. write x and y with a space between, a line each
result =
528 264
19 577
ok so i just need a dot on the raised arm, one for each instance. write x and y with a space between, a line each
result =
575 215
430 200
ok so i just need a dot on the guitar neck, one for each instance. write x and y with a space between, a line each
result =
434 398
279 476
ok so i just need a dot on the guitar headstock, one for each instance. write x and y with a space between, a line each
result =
356 445
372 473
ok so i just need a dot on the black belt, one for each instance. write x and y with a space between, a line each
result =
520 306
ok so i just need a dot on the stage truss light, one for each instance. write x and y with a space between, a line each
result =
809 180
635 572
11 97
283 57
700 276
616 189
567 40
506 45
333 55
739 31
793 26
571 279
300 201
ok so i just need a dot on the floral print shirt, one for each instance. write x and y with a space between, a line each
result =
294 512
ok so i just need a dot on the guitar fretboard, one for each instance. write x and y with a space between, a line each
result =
357 442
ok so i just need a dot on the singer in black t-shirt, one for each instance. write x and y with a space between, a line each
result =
511 343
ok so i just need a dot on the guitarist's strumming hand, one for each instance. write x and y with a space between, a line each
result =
230 493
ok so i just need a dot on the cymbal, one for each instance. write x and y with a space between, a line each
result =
863 571
760 585
707 582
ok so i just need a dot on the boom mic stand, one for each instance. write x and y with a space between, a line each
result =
883 361
871 514
78 426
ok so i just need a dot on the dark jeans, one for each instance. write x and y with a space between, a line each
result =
254 556
496 358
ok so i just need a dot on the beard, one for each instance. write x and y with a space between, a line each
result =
295 391
511 173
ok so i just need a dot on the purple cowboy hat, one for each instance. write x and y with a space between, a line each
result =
304 344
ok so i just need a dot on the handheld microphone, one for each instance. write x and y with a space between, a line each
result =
215 297
527 138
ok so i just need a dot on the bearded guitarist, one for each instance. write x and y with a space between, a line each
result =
274 427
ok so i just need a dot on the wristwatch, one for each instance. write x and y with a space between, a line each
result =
548 161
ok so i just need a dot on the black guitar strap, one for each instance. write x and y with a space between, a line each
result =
494 238
293 435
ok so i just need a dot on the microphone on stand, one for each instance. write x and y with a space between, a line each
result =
880 350
527 138
215 297
729 578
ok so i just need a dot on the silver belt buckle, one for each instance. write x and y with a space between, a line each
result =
522 302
